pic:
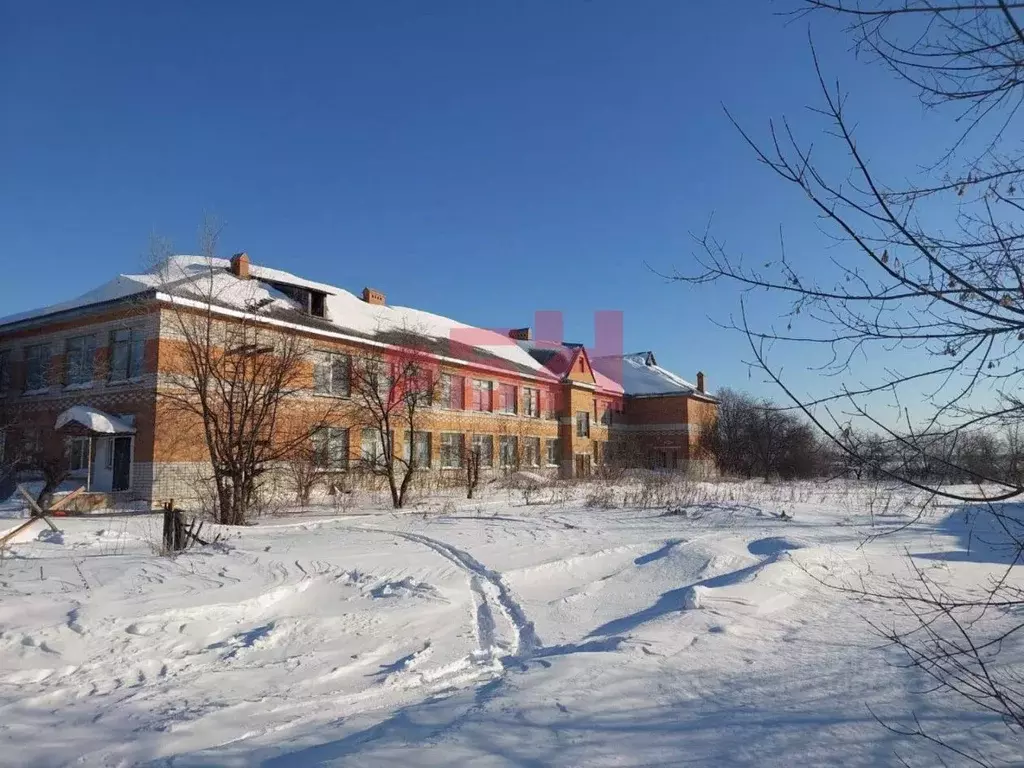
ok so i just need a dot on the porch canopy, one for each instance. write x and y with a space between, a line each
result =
94 421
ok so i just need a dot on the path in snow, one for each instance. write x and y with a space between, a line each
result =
488 588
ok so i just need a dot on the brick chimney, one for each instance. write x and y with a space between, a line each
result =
372 296
700 381
521 334
240 265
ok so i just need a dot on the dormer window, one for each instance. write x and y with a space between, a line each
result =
310 301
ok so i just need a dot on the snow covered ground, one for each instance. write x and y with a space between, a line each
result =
492 633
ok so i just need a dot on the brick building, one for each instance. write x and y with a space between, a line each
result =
92 373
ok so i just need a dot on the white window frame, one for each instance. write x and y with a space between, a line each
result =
506 457
582 423
85 348
422 461
325 367
452 441
478 440
550 443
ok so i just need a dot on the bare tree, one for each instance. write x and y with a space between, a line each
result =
390 393
234 376
304 466
472 462
933 271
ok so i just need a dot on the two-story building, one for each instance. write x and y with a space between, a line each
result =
92 372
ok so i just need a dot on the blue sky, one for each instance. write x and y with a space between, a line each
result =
479 160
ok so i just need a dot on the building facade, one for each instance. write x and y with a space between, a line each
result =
94 375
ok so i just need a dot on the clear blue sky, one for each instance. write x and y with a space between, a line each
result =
476 159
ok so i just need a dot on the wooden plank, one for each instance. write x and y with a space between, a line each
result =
12 533
35 508
65 499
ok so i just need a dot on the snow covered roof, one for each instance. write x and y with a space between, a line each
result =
202 278
558 358
94 420
641 375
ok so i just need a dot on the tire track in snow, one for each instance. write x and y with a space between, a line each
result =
488 588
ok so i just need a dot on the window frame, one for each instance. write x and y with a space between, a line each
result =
583 424
42 359
449 389
531 445
5 372
552 442
325 442
410 447
445 449
86 365
508 440
479 387
82 446
324 372
483 439
531 402
134 354
508 396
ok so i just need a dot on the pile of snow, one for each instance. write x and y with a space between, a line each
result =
692 598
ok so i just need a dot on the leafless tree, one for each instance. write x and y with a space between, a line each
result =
233 376
752 437
50 459
391 391
304 467
472 466
933 270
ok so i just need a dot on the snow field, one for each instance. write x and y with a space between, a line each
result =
525 635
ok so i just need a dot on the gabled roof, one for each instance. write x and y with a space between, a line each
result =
641 375
560 357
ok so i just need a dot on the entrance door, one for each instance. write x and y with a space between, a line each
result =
122 464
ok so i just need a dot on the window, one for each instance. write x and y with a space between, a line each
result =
126 351
595 410
331 374
531 451
371 447
81 352
606 416
598 450
5 371
531 402
419 386
78 454
582 424
453 392
553 453
483 447
507 398
330 446
552 403
508 453
481 395
451 449
417 449
37 367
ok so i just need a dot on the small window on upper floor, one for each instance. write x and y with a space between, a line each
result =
5 371
127 348
318 304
